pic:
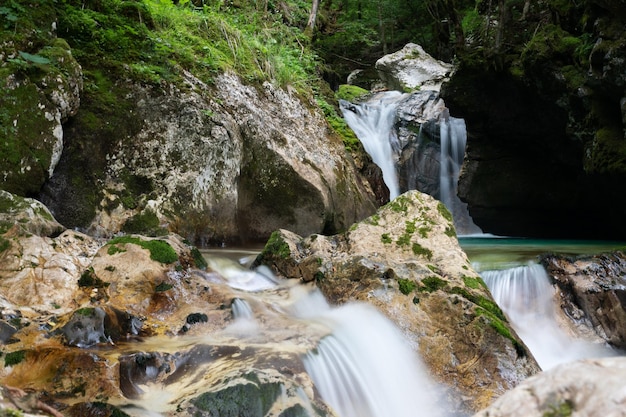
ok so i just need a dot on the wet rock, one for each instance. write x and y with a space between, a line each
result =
592 291
592 388
90 326
405 260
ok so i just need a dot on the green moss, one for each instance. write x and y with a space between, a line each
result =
443 210
145 223
162 287
198 258
350 93
404 240
432 283
89 279
242 399
424 231
276 247
419 250
4 244
399 204
385 238
86 312
481 301
498 324
564 409
450 231
406 286
474 282
9 412
160 251
14 358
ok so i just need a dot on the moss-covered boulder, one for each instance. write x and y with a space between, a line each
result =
40 85
406 261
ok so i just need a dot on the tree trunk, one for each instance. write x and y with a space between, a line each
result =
310 26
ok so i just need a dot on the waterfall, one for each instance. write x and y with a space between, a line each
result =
373 123
453 137
365 368
526 296
241 310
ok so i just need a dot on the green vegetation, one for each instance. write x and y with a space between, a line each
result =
385 238
350 93
563 409
146 223
160 250
275 247
474 282
4 244
406 286
162 287
432 283
89 279
13 358
198 258
421 251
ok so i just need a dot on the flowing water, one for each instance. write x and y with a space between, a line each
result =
522 289
373 122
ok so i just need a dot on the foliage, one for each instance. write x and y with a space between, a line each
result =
160 250
275 247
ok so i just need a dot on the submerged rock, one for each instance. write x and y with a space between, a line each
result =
591 388
406 261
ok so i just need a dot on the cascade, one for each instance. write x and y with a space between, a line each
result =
372 123
525 295
365 368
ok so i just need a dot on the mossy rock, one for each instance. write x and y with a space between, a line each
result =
246 398
160 250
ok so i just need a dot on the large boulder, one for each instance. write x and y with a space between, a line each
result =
412 68
221 163
406 261
592 292
591 388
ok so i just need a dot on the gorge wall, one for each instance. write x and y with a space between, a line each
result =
543 96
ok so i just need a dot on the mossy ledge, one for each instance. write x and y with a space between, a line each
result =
160 250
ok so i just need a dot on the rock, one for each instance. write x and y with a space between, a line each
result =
222 163
25 216
593 292
412 68
35 104
405 260
591 388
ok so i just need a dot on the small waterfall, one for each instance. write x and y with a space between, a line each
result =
365 368
241 310
372 123
526 296
453 136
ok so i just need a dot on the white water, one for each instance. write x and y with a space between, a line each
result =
372 122
525 295
453 137
365 368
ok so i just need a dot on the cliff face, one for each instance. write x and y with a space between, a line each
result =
543 91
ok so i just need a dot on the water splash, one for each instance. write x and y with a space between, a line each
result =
372 122
365 368
527 298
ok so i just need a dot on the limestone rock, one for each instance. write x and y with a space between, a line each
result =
591 388
406 261
593 292
221 163
412 68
